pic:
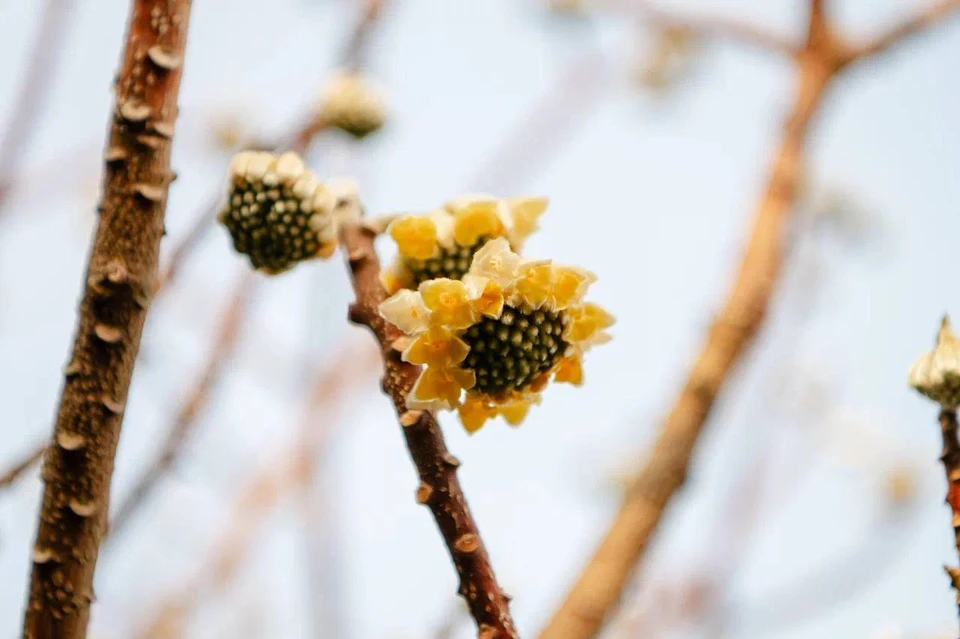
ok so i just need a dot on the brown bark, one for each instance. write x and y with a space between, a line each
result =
950 456
439 487
596 592
121 276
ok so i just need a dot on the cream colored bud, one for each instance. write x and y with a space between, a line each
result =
351 104
936 374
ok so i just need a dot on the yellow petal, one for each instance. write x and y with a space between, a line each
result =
587 320
487 295
534 282
476 220
466 378
515 412
569 286
406 311
416 237
570 370
474 414
496 261
437 347
395 277
436 387
526 212
449 303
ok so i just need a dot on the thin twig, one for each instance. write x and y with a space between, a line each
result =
710 27
121 276
936 13
439 488
291 471
950 457
298 139
199 394
21 466
598 589
37 80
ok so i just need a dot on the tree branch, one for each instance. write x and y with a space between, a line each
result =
934 14
598 589
951 465
197 398
120 279
35 88
21 466
439 488
711 27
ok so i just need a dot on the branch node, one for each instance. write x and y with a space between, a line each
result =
82 509
70 441
424 492
108 334
467 543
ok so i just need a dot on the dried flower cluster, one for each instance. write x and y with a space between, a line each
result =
500 334
442 242
276 211
936 374
351 104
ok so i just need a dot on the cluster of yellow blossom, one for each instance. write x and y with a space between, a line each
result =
276 211
442 242
491 341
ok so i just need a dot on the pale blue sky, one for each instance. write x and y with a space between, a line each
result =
653 195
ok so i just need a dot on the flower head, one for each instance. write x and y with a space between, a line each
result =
936 374
491 342
350 104
443 242
276 211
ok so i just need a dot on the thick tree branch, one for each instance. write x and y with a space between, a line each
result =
298 139
35 88
439 487
598 589
197 398
121 276
950 457
936 13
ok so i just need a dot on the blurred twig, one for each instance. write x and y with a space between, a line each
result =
598 589
298 139
290 471
21 466
224 346
34 89
935 14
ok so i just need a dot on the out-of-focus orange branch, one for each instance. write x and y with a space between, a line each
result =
265 490
34 90
936 13
21 466
598 589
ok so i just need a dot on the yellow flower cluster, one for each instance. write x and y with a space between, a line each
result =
442 242
491 341
276 211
